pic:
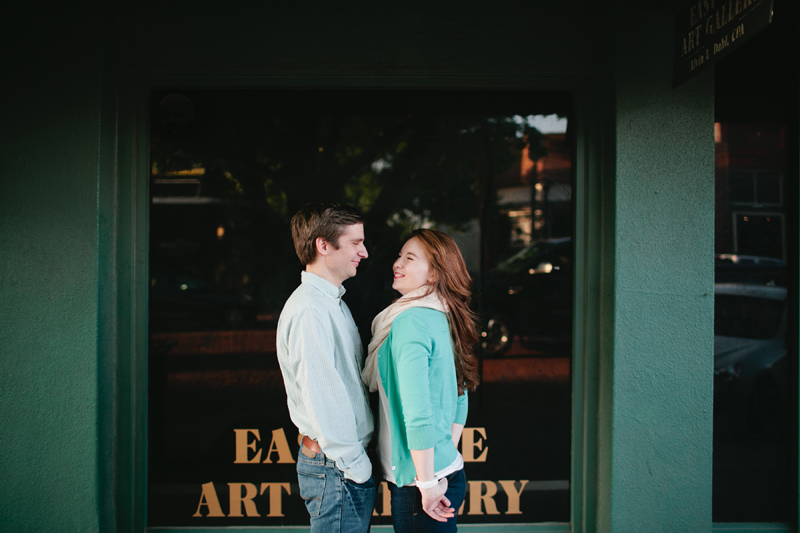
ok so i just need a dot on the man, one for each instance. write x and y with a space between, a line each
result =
320 354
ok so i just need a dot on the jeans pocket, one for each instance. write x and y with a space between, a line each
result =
312 488
366 486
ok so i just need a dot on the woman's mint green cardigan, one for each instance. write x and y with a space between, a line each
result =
418 374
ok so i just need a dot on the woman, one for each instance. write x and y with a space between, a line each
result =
420 361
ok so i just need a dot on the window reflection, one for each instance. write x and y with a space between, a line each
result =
751 379
230 168
528 298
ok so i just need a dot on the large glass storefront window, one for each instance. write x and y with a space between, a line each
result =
752 393
755 338
230 168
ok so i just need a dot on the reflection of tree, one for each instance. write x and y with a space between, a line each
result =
268 162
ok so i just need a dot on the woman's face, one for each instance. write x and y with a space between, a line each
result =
412 269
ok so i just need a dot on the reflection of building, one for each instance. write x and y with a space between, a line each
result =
536 196
751 189
533 202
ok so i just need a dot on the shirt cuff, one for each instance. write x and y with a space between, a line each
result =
360 471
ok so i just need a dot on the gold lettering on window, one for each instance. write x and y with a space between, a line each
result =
236 499
209 498
469 444
479 499
280 445
275 496
509 487
386 501
242 445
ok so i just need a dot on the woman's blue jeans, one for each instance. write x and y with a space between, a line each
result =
336 504
407 513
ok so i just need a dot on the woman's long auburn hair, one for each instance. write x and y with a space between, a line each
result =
454 285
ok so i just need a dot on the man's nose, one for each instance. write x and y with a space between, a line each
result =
363 253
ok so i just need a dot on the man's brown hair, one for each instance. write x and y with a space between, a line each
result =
327 220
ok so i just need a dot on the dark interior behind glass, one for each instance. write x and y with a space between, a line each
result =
755 352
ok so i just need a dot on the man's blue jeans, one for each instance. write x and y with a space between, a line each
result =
407 513
336 504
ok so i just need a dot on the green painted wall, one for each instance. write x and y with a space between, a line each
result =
48 270
656 439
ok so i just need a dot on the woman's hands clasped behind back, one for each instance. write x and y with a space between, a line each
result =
435 503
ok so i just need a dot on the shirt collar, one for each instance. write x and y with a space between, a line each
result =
326 287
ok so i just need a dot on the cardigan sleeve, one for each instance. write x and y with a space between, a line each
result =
411 348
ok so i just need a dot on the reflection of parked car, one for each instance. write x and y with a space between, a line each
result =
193 302
749 350
529 294
737 268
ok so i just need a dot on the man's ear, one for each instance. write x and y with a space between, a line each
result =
322 246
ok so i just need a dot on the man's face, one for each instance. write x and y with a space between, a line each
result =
343 263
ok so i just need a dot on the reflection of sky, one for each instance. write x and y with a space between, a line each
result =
544 123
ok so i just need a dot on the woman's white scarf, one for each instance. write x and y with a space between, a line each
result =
382 323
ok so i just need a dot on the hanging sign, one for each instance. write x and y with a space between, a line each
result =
708 30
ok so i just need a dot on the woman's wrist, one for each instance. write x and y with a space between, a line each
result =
426 484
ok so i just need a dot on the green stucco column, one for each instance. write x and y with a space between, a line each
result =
657 366
48 270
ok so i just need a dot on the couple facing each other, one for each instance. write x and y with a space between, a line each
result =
419 362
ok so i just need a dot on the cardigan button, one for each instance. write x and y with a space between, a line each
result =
394 467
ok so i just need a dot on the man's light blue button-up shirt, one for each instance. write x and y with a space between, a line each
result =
320 355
